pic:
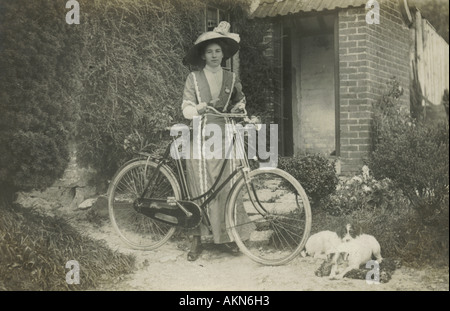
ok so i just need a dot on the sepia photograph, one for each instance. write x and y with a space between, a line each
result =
224 152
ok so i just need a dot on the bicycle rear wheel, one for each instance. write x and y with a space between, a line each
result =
135 229
269 217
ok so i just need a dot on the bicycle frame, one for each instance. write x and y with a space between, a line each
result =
212 192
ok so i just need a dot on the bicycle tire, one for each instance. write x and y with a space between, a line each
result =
135 229
277 223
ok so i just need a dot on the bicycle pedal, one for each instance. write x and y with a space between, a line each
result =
171 201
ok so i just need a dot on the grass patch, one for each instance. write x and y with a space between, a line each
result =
34 250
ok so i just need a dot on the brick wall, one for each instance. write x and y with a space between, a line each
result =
273 53
369 56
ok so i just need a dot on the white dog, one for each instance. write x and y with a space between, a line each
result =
319 245
354 253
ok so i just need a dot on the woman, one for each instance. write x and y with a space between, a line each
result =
221 89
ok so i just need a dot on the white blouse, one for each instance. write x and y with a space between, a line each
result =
214 76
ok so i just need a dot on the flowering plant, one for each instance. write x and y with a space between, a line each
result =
364 191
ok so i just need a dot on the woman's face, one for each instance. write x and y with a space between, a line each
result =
213 55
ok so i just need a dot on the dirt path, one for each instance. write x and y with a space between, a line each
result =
166 269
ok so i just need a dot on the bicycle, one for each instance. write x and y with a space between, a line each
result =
148 202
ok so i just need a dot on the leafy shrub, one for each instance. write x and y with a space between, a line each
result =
37 93
414 155
140 94
316 174
34 250
365 192
117 73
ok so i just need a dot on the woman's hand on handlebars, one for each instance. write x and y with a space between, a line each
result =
238 108
214 111
202 107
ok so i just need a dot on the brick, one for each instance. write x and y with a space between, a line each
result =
366 148
347 134
362 56
348 58
343 115
345 154
344 141
357 76
357 102
343 102
359 128
348 83
342 24
352 108
343 38
347 32
348 95
348 18
368 95
367 107
362 43
363 82
357 155
356 50
366 121
348 121
357 37
349 148
349 44
348 70
357 89
359 141
364 134
358 115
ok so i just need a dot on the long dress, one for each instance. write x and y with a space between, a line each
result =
201 173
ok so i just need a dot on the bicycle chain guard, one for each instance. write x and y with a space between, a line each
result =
188 216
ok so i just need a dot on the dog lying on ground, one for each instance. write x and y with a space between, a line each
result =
354 253
321 243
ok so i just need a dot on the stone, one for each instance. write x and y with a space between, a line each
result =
87 203
260 237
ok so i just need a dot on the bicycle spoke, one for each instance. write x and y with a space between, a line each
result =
135 229
278 234
281 223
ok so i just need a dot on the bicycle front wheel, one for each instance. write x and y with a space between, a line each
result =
135 229
269 217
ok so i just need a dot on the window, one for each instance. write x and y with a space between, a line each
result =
213 17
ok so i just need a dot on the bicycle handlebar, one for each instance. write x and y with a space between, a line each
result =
223 114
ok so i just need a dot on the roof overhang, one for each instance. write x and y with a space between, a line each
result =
274 8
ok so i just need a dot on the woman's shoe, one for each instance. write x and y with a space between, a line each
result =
231 248
196 249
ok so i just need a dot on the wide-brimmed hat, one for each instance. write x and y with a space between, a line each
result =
228 41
